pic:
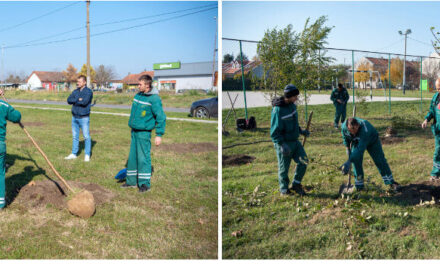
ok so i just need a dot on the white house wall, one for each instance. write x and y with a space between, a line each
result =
34 82
190 82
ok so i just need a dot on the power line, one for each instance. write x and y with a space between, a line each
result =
108 32
389 46
38 17
107 23
427 44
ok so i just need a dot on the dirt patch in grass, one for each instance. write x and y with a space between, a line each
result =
419 192
325 215
391 140
42 193
31 124
186 147
236 160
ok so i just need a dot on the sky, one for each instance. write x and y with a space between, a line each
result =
160 37
369 26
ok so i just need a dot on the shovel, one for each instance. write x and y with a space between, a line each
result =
348 188
82 203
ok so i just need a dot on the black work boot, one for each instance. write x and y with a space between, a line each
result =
144 188
298 189
125 185
394 186
286 193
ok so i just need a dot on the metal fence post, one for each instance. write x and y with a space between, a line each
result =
244 86
389 83
352 75
421 92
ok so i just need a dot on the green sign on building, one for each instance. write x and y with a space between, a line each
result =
166 66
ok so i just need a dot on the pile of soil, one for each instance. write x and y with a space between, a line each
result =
236 160
391 140
391 137
186 147
41 193
415 193
35 124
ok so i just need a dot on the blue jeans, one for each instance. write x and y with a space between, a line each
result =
82 123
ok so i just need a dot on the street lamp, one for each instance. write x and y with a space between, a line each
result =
408 31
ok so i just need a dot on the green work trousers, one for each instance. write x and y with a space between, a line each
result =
299 156
376 153
341 112
436 160
2 174
139 159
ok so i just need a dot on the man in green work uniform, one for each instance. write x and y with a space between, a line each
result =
7 112
284 131
434 113
361 135
340 98
146 114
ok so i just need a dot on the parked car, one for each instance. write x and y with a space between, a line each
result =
204 108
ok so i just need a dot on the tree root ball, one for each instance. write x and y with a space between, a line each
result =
82 204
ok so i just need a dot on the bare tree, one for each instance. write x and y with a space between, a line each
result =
104 74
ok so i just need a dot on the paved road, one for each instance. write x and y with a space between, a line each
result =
259 99
166 109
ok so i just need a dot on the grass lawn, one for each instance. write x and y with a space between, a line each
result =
176 219
169 99
375 224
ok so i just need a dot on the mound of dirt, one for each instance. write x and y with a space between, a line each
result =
418 192
391 140
41 193
187 147
236 160
30 124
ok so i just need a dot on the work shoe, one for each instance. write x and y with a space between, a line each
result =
298 189
71 156
86 158
394 186
336 127
286 193
144 188
125 185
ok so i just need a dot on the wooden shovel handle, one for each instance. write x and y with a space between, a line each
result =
44 155
308 126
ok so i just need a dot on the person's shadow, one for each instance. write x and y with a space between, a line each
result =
82 146
15 182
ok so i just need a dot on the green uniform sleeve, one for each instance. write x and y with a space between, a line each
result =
332 96
160 117
431 111
276 126
346 97
345 139
357 150
13 115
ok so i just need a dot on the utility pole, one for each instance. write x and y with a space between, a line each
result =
88 46
408 31
215 50
3 65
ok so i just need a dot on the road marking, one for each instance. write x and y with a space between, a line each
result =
117 114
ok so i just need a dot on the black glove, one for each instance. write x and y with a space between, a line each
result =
285 149
305 133
346 167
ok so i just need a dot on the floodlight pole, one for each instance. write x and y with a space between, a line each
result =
408 31
389 82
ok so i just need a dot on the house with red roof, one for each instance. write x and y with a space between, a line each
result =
49 81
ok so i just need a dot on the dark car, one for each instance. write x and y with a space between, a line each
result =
204 108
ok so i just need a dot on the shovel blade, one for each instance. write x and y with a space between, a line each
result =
346 189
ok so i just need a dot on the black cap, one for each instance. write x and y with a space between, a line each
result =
290 90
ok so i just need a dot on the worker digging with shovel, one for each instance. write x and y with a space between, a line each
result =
434 114
361 135
7 112
284 132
